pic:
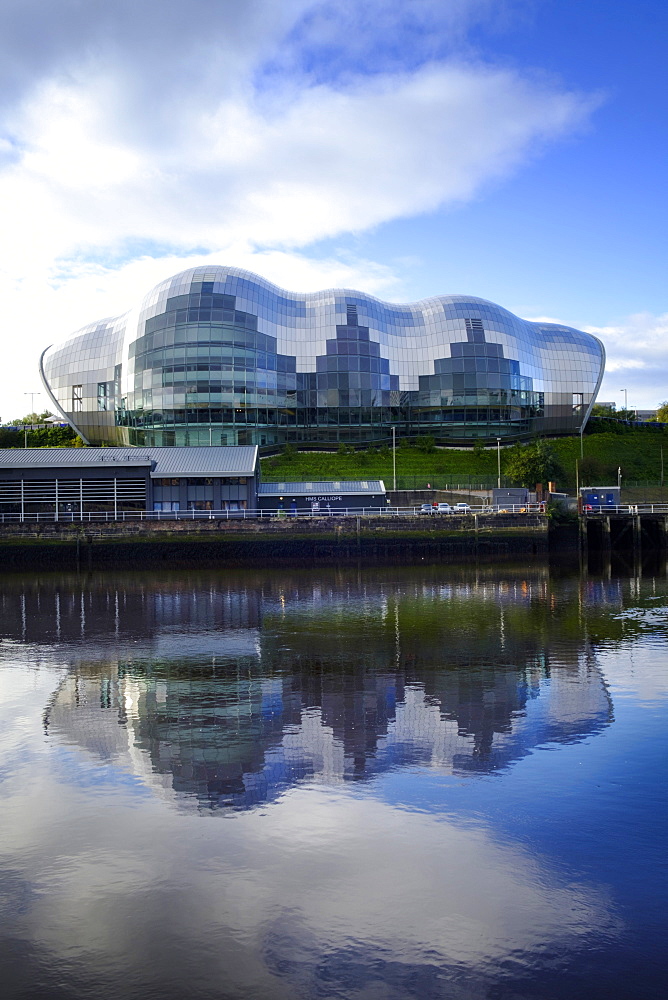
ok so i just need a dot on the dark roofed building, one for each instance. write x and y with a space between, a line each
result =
69 482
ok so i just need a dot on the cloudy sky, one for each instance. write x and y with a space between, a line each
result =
512 149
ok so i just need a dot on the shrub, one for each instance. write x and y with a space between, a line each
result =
533 463
426 444
557 513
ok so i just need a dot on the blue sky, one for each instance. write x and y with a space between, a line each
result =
513 150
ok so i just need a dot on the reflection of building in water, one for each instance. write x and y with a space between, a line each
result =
231 688
232 696
135 613
240 738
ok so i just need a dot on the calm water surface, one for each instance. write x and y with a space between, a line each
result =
366 785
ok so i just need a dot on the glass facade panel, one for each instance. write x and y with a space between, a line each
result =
219 356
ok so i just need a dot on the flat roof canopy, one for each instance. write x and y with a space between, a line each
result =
350 486
163 462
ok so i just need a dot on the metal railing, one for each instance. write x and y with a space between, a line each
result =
625 508
233 515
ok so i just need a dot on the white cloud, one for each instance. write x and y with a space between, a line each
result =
336 37
157 50
637 360
156 130
624 365
334 160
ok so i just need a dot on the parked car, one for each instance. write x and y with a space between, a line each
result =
443 508
462 508
427 508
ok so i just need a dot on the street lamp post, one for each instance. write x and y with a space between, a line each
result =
32 399
32 410
625 400
498 462
394 458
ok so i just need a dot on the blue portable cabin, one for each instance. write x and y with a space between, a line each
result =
600 496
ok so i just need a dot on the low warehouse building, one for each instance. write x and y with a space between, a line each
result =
332 497
72 482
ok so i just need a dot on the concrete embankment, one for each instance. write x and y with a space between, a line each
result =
446 538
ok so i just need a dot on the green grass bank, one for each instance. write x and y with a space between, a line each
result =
637 453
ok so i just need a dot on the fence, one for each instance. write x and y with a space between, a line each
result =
235 515
626 508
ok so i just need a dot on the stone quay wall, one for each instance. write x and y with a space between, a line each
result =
385 538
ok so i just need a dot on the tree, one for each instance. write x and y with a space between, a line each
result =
31 418
611 417
42 437
662 412
533 463
599 410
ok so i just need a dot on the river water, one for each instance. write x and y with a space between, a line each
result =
367 785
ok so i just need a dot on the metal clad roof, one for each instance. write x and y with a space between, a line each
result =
187 461
205 461
370 486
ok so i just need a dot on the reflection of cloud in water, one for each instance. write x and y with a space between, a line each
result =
372 878
641 673
231 701
326 886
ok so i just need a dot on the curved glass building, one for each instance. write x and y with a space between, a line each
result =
218 355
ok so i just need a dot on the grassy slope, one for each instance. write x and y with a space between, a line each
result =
637 452
378 465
